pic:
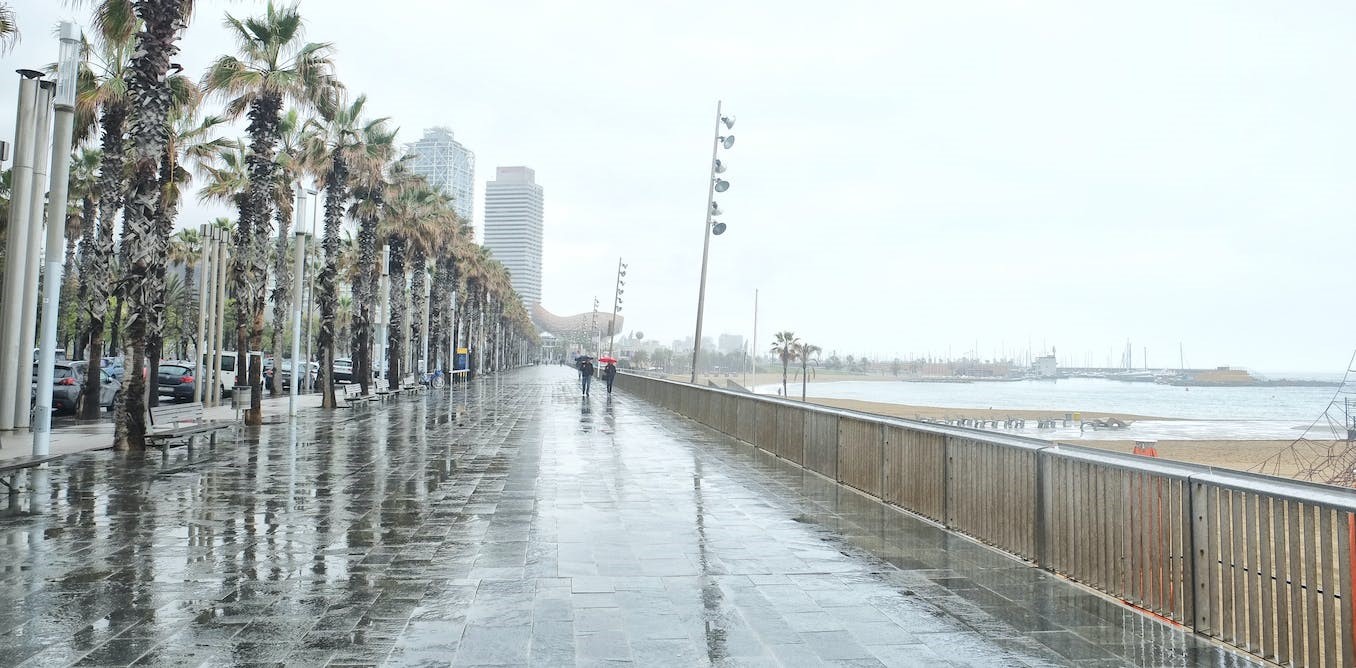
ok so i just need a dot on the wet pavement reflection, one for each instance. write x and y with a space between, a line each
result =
509 523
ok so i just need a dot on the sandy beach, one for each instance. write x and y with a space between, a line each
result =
1232 454
767 377
935 412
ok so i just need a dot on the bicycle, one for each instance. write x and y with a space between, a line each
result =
434 379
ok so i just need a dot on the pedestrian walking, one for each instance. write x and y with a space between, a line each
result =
586 371
609 375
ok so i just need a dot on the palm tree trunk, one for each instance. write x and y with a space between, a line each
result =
418 278
254 232
239 275
395 330
188 329
435 316
804 369
282 295
149 103
155 311
335 195
96 276
364 300
786 364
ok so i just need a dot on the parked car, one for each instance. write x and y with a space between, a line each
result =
68 387
60 355
227 370
313 369
176 381
114 367
343 370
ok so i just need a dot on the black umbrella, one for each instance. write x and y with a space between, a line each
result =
581 358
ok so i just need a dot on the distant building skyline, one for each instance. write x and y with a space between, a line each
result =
514 222
449 166
731 343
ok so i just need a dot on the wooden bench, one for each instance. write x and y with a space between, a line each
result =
12 469
176 422
410 384
353 395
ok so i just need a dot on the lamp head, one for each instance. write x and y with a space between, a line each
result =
727 141
719 167
68 62
728 121
715 209
722 185
718 229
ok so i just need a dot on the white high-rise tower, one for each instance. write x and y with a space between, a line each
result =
448 166
513 228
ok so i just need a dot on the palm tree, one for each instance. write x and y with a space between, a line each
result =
291 167
806 350
9 29
786 347
369 184
84 185
187 140
410 222
148 108
185 250
102 101
273 68
331 144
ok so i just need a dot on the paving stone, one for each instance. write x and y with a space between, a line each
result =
509 521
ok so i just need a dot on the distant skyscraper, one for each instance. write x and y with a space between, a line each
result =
448 166
513 228
731 343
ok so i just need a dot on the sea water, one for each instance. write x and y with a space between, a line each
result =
1198 412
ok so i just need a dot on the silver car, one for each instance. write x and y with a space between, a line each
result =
68 387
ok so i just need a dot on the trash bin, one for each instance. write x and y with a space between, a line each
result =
240 397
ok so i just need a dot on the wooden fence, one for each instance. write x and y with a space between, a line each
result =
1261 563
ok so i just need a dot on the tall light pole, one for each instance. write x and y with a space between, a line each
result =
204 305
753 346
593 329
14 361
67 62
33 265
616 305
711 228
301 369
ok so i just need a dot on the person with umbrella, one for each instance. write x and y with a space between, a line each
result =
609 372
585 364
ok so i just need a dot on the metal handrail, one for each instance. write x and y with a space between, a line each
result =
1185 541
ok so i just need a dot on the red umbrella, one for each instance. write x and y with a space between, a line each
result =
607 360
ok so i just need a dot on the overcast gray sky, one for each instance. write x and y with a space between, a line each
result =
909 177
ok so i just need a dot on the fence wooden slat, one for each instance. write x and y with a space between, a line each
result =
1264 565
1326 600
1346 545
1312 653
1265 576
1284 591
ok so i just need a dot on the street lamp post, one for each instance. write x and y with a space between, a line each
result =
56 231
616 306
26 144
710 228
301 369
204 306
28 310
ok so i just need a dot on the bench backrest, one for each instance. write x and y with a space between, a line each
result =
176 413
352 390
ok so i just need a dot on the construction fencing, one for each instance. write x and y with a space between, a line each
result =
1258 562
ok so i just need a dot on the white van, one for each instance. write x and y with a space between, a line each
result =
227 370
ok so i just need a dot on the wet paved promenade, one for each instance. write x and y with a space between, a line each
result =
531 528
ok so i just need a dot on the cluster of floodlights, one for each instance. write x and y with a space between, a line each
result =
718 167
